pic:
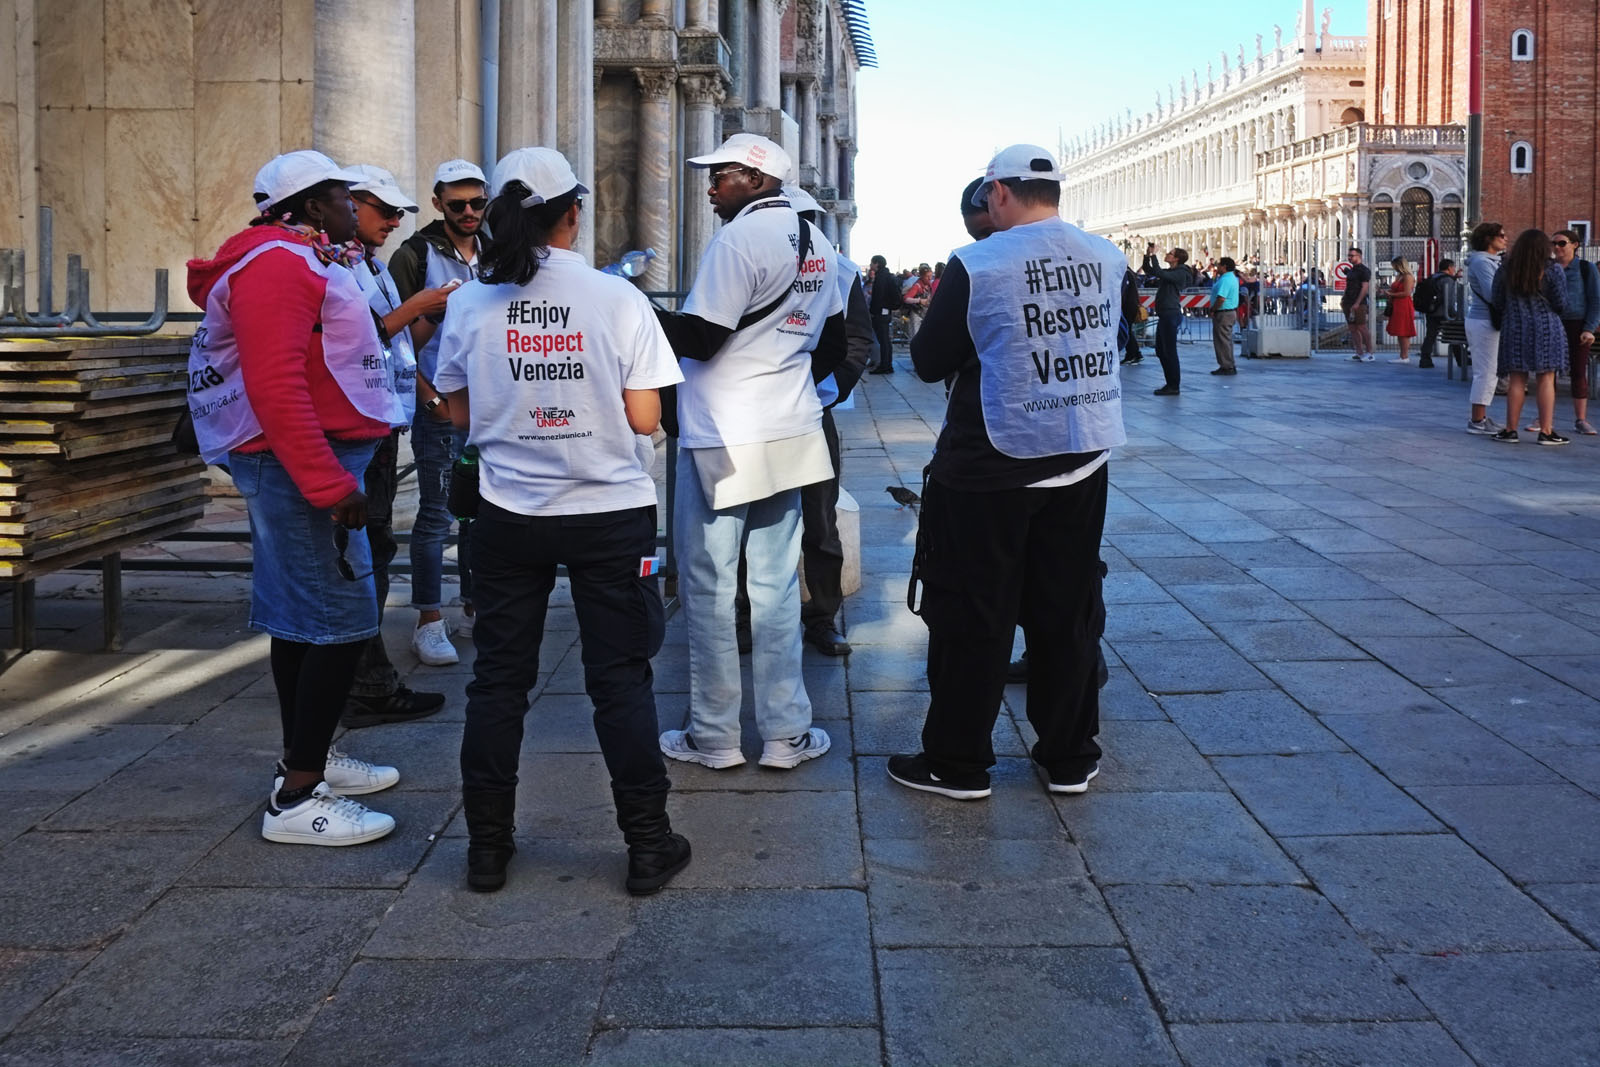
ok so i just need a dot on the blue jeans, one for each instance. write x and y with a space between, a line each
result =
296 591
707 545
435 444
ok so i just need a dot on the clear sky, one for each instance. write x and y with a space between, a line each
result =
957 80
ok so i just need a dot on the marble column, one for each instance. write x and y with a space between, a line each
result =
656 12
364 52
654 185
698 16
530 69
767 91
608 10
702 95
830 157
810 132
739 65
843 240
576 129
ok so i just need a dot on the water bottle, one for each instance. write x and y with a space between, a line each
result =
632 264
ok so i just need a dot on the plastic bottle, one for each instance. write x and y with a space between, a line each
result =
632 264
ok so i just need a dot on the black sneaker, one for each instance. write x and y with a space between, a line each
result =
1553 438
402 705
913 773
1135 359
823 637
1074 783
1167 390
1507 436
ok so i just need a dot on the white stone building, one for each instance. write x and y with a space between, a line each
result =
142 122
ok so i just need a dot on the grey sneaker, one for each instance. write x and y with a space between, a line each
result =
789 752
1484 425
678 745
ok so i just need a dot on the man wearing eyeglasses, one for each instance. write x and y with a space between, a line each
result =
443 253
763 323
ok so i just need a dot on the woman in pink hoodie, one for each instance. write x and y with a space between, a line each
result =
288 387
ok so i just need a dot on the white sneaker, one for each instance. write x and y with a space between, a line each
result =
790 752
678 745
1369 358
351 777
323 818
463 625
431 643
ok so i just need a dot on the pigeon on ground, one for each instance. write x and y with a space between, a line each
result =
903 496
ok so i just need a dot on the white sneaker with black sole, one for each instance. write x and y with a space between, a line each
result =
323 818
785 753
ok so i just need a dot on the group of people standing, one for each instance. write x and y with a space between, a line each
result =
314 354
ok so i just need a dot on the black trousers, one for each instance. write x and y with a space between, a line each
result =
1167 323
1132 349
989 561
621 624
1430 339
375 674
883 326
820 546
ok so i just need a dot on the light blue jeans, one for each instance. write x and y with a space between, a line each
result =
435 445
707 544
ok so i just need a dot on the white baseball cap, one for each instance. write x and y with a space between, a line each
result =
458 170
750 150
1026 161
381 184
545 172
801 200
295 172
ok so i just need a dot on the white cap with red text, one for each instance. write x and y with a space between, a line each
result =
750 150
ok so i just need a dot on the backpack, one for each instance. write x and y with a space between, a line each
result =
1429 296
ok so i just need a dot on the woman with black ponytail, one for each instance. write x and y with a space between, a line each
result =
553 369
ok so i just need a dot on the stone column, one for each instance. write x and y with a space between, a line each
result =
790 95
739 65
576 130
529 75
608 10
843 240
767 90
702 95
656 12
698 16
810 131
654 184
364 52
830 156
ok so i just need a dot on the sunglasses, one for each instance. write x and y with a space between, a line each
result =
384 210
1559 244
456 207
341 542
726 172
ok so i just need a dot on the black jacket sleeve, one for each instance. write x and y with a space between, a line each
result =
861 344
690 336
409 266
943 346
832 348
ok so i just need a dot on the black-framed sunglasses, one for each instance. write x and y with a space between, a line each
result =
1560 243
726 172
387 211
477 203
341 542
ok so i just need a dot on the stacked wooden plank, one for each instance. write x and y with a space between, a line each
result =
86 461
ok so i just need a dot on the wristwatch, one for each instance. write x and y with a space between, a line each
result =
433 405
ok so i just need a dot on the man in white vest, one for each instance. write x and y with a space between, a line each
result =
1015 503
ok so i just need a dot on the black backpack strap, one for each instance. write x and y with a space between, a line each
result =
753 317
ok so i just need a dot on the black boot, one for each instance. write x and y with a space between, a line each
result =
655 853
490 842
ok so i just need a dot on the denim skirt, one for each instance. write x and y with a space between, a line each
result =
296 590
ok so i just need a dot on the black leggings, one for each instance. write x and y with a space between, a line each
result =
313 683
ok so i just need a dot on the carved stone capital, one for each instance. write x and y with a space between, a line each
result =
702 90
654 82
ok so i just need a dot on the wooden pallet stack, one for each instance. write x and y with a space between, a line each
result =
87 467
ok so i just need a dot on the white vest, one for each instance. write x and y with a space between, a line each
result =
1043 313
383 297
223 417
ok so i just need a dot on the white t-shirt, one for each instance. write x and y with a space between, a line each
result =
545 365
758 386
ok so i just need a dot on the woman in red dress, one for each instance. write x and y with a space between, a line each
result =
1402 324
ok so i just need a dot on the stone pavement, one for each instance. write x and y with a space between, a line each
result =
1350 810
